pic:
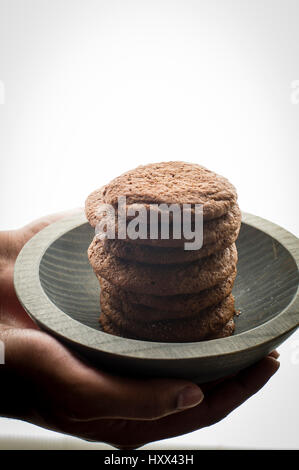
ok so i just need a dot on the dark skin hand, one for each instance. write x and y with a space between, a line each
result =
44 383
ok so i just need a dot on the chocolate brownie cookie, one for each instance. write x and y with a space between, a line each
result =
171 183
213 230
113 329
163 279
92 203
179 305
227 330
142 314
157 255
209 323
152 288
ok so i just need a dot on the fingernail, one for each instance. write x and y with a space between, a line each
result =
189 397
275 354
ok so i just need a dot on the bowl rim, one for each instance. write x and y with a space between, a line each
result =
50 318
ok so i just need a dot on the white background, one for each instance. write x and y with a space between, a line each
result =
93 88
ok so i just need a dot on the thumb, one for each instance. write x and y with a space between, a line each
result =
112 396
23 234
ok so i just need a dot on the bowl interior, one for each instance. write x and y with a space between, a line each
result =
266 283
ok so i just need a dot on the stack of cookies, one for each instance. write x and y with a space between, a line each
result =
153 288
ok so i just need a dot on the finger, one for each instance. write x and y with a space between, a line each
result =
217 404
274 354
236 390
209 385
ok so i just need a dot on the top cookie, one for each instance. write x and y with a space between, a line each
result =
169 183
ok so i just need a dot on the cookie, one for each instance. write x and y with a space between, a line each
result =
112 329
138 313
92 203
162 279
167 183
227 330
157 255
213 230
175 305
208 324
152 288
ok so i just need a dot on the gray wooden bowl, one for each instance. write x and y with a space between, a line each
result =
58 289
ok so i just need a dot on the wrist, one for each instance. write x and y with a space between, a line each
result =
14 399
